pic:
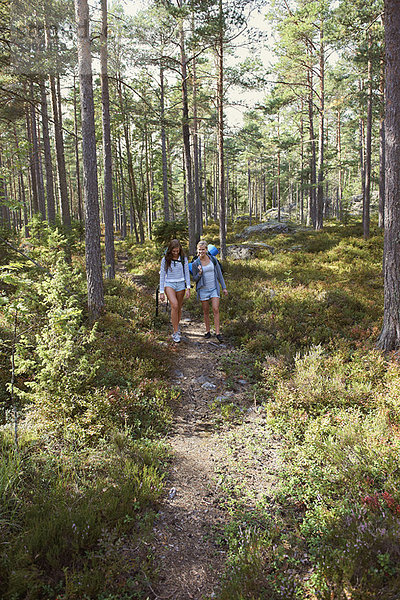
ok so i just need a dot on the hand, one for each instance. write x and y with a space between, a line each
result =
200 269
162 296
225 291
187 294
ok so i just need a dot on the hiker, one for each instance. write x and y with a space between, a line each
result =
174 280
207 274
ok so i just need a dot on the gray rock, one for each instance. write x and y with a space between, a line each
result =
208 386
203 379
272 226
245 251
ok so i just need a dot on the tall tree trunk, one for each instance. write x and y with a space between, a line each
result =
362 149
36 157
148 181
21 187
122 187
390 335
51 205
302 163
340 174
197 196
221 155
321 137
368 144
134 199
92 220
77 161
33 181
164 145
107 149
191 213
62 173
312 217
382 149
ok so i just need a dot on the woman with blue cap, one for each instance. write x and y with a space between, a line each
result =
207 274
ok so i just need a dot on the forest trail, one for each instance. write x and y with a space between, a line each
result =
190 564
205 453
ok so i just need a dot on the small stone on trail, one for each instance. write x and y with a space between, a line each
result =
178 373
220 398
172 493
208 386
202 379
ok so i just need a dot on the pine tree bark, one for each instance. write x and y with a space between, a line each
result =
62 173
389 338
92 220
107 149
77 161
51 205
319 216
368 145
312 217
36 157
191 214
164 145
221 155
33 183
382 150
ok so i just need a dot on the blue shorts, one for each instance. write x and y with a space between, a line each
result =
208 294
178 286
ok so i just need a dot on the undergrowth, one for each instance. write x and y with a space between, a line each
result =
82 459
309 316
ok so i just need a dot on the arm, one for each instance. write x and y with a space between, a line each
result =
187 273
187 277
162 279
196 273
220 278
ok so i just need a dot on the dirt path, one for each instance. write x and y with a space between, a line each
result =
189 560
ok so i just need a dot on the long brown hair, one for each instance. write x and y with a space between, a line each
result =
168 254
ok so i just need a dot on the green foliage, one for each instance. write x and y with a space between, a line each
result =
310 318
165 231
78 495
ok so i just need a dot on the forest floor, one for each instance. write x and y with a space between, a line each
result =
206 454
213 459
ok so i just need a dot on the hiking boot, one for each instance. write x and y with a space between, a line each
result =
207 335
176 337
219 338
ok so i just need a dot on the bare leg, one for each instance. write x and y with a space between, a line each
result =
180 296
215 307
173 301
206 313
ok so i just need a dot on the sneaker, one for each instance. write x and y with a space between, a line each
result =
219 338
176 337
207 335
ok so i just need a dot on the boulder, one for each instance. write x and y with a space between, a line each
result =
246 251
272 226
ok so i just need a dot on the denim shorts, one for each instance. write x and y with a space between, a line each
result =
178 286
208 294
